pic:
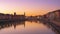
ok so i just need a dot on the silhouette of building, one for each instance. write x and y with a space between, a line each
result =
14 13
53 15
10 17
57 12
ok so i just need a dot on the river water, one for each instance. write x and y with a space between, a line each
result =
26 27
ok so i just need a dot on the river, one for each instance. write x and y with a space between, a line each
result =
26 27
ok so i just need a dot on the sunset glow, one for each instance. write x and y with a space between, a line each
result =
30 7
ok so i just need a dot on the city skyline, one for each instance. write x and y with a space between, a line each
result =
30 7
29 16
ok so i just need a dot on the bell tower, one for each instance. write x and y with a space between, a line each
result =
24 13
14 13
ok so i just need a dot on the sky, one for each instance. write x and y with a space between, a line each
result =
30 7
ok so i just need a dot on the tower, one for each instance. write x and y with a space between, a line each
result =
24 13
14 13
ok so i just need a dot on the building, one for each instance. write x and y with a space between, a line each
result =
53 15
10 17
18 17
57 14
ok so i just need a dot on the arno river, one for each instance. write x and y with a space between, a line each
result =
26 27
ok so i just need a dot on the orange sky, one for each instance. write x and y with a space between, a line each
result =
30 7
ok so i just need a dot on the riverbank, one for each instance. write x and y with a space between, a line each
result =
54 24
57 23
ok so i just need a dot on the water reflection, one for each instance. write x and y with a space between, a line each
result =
27 27
10 24
57 31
